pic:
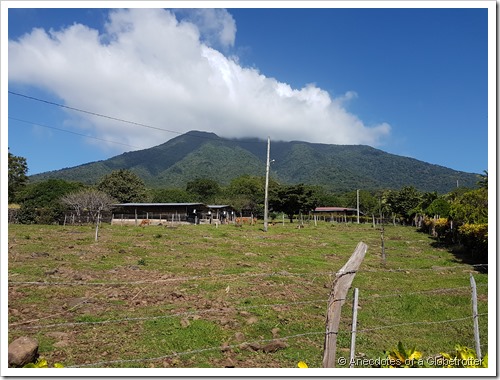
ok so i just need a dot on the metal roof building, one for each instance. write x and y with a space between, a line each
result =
160 213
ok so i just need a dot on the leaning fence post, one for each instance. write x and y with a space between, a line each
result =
342 282
475 316
354 327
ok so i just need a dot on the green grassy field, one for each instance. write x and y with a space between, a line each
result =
200 296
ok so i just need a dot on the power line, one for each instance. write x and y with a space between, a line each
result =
92 113
128 121
74 133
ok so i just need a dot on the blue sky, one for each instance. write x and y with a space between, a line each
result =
412 82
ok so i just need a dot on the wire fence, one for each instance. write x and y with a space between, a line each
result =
369 300
285 338
229 276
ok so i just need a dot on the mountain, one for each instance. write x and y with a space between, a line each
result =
206 155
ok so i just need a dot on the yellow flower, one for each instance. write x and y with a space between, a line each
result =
301 364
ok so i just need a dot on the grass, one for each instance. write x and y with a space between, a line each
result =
179 295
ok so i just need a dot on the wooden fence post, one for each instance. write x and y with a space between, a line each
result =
475 316
342 282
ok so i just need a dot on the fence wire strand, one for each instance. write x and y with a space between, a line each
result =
227 276
182 314
418 323
144 283
192 352
312 333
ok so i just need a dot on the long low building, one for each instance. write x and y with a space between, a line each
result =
162 213
336 213
335 210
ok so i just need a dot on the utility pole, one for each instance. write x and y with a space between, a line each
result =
357 199
266 193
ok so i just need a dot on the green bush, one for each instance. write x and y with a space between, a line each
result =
27 214
474 237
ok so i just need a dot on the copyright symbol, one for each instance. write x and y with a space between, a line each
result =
342 361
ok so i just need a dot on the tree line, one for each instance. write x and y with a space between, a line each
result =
45 202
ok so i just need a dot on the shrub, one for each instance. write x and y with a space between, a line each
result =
402 358
27 214
439 228
42 363
462 357
474 237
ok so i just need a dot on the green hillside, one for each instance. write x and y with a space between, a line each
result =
205 155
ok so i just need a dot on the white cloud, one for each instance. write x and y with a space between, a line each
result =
216 26
150 68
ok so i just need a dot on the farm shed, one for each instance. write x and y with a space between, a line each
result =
335 213
221 213
156 213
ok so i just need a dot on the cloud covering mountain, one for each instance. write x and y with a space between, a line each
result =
174 70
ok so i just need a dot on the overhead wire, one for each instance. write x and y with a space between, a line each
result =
205 136
92 113
72 132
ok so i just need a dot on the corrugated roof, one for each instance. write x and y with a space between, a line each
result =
334 209
156 204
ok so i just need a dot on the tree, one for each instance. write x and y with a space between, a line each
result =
205 189
171 196
438 207
483 180
471 207
47 193
456 193
18 169
404 202
123 185
427 199
325 197
247 193
368 204
293 200
40 201
90 200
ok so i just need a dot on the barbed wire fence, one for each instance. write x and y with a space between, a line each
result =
363 331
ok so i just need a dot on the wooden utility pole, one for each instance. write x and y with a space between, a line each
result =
266 195
357 200
342 282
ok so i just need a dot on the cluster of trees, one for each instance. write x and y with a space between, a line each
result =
45 202
465 220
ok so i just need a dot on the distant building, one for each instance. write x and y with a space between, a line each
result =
162 213
336 213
